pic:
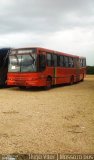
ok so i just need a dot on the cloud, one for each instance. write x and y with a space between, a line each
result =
45 16
65 25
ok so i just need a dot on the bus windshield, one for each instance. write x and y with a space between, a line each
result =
22 63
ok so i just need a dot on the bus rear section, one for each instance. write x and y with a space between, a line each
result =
4 53
42 67
82 61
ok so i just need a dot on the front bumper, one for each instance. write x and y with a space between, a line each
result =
29 83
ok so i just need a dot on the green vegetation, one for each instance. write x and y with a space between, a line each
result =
90 69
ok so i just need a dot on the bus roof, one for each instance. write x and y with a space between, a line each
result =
48 50
80 57
58 52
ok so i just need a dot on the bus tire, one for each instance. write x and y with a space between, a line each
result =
72 80
48 83
22 87
82 78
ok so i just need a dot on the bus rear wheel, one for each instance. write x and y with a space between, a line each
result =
48 83
72 80
82 78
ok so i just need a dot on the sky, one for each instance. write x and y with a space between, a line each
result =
61 25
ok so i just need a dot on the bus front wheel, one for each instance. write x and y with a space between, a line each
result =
48 83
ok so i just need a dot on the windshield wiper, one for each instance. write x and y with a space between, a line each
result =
17 59
33 61
32 57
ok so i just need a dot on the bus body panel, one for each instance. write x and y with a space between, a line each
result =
26 79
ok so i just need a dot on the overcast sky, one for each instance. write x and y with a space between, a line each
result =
62 25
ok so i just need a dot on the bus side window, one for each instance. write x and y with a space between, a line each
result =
81 63
71 63
61 61
84 63
58 60
42 62
54 60
66 61
75 62
49 59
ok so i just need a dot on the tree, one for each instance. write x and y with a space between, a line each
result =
90 69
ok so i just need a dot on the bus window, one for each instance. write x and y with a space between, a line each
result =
54 60
81 62
84 63
66 61
61 61
76 62
42 62
49 59
71 63
58 60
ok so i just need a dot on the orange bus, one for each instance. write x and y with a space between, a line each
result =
43 67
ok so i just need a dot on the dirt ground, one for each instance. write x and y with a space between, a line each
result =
60 120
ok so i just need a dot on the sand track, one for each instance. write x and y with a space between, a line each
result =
60 120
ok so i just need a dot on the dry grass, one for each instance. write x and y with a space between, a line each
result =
58 120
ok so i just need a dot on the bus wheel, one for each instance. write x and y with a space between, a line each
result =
48 83
72 80
82 78
22 87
